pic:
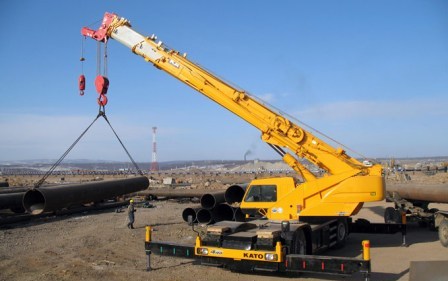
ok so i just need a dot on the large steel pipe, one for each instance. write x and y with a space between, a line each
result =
238 215
428 193
211 200
173 193
222 212
204 216
12 201
13 190
191 211
45 199
4 184
27 217
235 193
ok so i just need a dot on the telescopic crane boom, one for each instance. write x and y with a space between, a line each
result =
341 192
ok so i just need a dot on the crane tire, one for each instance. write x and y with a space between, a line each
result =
341 233
443 233
298 245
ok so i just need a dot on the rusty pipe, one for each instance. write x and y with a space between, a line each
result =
429 193
211 200
235 193
45 199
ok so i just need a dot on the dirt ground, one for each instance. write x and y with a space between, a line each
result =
99 246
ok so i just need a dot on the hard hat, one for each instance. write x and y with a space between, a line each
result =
131 201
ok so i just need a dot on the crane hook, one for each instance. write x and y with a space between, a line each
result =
82 84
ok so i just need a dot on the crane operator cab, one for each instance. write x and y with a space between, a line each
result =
262 197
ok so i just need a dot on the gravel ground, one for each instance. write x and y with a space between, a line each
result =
99 246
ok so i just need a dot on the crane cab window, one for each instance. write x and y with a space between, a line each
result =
262 193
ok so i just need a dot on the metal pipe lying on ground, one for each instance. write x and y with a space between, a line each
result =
173 193
14 190
204 216
235 193
238 215
222 212
211 200
4 184
191 211
428 193
45 199
28 217
12 201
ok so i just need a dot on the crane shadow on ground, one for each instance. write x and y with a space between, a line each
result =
414 233
25 220
313 276
378 210
358 276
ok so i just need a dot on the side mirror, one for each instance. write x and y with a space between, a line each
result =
286 231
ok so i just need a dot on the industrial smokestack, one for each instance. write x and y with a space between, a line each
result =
247 154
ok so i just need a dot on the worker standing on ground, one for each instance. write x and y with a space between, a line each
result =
131 211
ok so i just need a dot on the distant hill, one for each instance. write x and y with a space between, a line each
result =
103 165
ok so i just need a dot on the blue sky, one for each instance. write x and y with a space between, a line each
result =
370 74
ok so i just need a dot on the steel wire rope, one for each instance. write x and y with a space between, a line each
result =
48 173
101 113
269 106
118 138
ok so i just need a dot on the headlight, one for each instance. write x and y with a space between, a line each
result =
202 251
271 257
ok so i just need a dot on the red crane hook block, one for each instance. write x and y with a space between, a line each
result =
82 84
101 84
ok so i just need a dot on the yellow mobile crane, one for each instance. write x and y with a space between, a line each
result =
286 218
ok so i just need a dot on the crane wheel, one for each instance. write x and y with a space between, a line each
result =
391 215
432 223
298 245
443 233
341 233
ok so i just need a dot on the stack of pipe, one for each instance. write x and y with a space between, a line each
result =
217 206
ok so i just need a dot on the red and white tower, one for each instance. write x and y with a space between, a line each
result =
154 163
